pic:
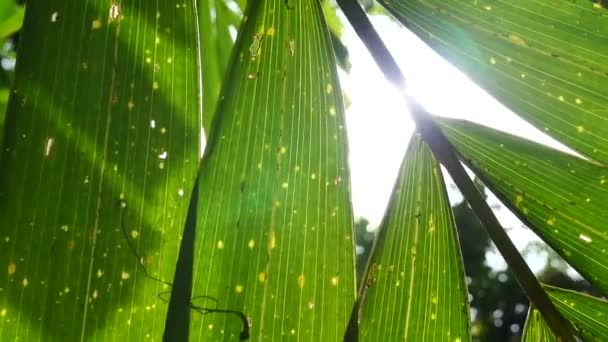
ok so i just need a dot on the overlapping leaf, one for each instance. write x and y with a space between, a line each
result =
588 315
215 20
561 197
101 140
275 243
414 288
545 60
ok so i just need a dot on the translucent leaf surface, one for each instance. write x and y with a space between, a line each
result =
414 288
99 156
545 60
561 197
275 234
587 314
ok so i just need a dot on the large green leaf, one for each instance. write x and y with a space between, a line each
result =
545 60
589 315
275 235
102 137
414 288
561 197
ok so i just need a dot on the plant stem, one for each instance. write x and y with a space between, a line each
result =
447 155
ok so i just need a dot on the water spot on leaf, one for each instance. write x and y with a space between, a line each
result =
580 129
561 98
220 244
125 275
99 273
487 7
551 221
25 282
54 17
329 88
332 111
578 101
492 60
163 155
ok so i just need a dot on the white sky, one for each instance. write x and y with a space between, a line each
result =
379 126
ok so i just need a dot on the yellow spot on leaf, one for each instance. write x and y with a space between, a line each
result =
3 312
251 244
272 242
131 105
238 288
517 40
551 221
25 282
283 150
301 280
578 101
96 24
12 268
332 111
492 60
220 244
334 281
125 275
580 129
329 88
487 7
262 277
270 31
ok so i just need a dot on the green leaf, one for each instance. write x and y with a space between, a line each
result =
275 244
215 19
102 143
562 198
536 329
588 315
11 17
546 61
414 288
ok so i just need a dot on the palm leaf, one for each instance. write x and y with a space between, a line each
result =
101 145
414 288
561 197
546 61
275 233
587 314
